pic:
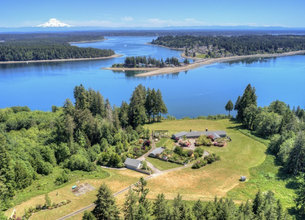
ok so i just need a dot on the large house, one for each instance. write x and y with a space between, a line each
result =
133 164
196 134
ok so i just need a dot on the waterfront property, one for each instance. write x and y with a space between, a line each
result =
213 135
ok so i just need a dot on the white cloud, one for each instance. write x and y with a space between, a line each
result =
127 18
53 22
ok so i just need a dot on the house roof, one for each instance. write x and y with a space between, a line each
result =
180 134
158 150
195 133
132 162
214 134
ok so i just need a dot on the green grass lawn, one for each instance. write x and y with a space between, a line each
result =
245 155
166 142
162 165
265 177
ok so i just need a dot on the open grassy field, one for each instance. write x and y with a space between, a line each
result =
116 180
245 155
162 165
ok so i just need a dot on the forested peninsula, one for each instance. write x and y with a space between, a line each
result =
48 47
227 46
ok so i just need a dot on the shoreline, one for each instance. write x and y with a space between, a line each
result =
86 41
203 62
60 60
130 69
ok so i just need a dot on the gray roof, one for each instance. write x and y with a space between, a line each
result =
132 162
221 133
156 151
192 134
180 134
195 133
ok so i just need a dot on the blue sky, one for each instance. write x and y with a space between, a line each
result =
153 13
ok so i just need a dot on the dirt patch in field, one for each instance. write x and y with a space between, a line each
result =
82 189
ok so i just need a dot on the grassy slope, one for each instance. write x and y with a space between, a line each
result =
245 155
116 180
162 165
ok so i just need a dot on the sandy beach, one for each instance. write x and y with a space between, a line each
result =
61 60
202 62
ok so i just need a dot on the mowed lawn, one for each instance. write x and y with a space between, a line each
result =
116 180
162 165
215 179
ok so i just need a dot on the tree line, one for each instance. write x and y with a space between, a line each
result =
284 127
48 47
219 46
73 137
138 207
143 61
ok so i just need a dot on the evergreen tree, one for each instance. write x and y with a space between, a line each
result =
258 203
198 210
142 191
229 106
130 205
296 160
300 199
161 107
105 206
160 208
109 113
142 213
149 103
137 111
81 97
249 98
123 115
88 216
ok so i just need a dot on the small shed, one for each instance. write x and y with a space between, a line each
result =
133 164
243 179
156 152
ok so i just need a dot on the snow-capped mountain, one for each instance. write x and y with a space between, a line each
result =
53 22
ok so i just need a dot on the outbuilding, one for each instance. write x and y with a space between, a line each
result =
156 152
133 164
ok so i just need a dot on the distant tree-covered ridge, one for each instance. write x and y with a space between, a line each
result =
48 47
223 46
143 61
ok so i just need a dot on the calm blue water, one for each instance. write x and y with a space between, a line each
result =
201 91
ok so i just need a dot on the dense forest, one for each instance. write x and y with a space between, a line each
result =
143 61
74 137
222 46
47 47
138 207
285 128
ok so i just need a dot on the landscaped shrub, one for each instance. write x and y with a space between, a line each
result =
199 151
178 150
203 140
206 160
62 178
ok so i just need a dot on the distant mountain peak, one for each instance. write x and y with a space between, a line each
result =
53 22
